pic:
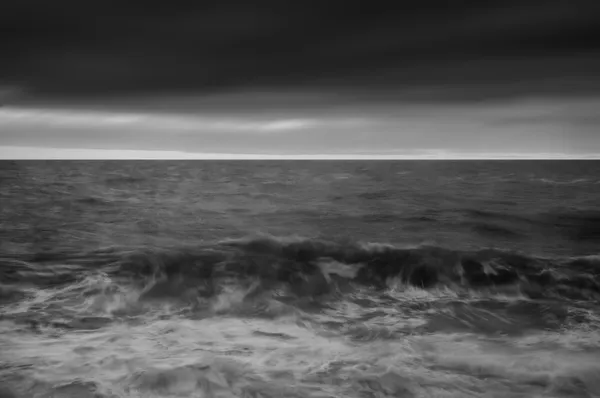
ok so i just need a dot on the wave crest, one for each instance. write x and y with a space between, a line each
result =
313 267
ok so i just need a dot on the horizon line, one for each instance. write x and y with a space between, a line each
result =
49 153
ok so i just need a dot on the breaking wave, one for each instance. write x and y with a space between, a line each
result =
314 267
353 303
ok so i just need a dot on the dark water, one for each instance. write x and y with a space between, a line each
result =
300 278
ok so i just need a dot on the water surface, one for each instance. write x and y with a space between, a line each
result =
300 278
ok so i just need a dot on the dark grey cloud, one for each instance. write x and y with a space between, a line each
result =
99 47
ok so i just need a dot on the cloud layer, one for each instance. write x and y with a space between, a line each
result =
69 47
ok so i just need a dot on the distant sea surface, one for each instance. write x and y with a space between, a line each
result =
299 279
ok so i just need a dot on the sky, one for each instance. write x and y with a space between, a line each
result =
421 78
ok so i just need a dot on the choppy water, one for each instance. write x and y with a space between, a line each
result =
300 279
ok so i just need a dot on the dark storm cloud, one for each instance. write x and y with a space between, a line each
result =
108 46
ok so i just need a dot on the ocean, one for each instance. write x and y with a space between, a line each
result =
299 279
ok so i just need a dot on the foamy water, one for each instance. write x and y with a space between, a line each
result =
98 338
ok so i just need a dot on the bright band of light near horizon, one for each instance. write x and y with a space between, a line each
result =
532 128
